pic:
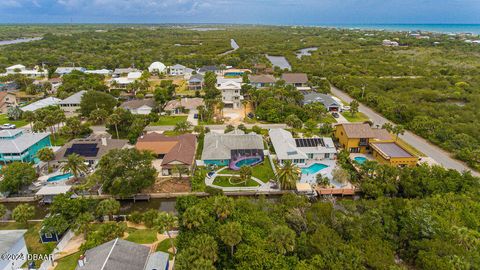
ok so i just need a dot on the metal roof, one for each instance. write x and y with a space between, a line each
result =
49 101
19 140
73 99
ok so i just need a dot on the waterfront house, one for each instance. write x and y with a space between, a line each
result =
174 152
195 82
299 80
182 105
393 154
300 150
49 101
157 67
139 106
328 101
67 70
47 194
119 254
13 242
118 72
217 70
231 92
261 81
72 103
233 147
19 145
92 149
356 137
7 100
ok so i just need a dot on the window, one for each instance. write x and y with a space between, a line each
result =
310 156
327 155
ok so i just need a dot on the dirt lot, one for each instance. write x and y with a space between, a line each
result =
169 185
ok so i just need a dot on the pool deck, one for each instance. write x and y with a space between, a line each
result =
312 178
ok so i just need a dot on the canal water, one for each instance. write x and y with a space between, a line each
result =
279 61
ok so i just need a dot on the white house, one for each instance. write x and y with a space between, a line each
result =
231 90
300 150
67 70
178 70
104 72
157 67
122 82
31 73
13 242
139 106
72 103
49 101
390 43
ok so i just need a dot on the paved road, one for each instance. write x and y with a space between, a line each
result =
439 155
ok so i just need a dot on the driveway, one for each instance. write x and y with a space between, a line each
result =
436 153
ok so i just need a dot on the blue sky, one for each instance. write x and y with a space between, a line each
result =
309 12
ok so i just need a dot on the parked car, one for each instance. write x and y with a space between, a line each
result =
8 126
335 115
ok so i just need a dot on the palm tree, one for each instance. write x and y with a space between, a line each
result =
398 130
30 117
46 155
245 174
194 217
165 223
108 207
223 207
231 234
182 127
283 239
244 104
114 120
287 175
75 164
82 223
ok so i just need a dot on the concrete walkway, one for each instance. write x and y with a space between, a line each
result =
191 118
436 153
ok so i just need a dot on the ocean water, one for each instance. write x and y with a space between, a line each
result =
440 28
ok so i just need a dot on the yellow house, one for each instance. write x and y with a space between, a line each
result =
393 154
356 137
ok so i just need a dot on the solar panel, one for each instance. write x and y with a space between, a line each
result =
83 149
309 142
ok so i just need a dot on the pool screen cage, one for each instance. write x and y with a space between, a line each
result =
238 153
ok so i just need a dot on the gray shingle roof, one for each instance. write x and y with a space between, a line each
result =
73 99
218 146
325 99
49 101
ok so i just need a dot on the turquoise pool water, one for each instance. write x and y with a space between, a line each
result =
314 168
60 177
360 160
247 162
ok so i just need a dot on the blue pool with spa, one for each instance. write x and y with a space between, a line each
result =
314 168
60 177
360 160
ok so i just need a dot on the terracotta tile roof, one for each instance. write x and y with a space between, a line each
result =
179 148
295 77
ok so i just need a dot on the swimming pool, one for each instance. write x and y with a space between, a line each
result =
360 160
314 168
60 177
248 162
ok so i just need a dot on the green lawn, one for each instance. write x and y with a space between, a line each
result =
169 120
69 262
223 181
261 171
142 236
4 120
165 245
359 117
59 140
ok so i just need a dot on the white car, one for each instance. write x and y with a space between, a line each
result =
346 108
8 126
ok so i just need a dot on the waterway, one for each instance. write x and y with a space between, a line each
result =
279 61
20 40
234 46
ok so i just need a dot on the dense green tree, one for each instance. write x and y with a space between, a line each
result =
17 175
94 100
46 154
231 234
23 212
108 207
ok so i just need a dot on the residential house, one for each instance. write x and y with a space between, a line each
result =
31 73
92 149
104 72
49 101
300 150
72 103
231 92
120 254
195 82
179 106
157 67
328 101
261 68
139 106
356 137
67 70
118 72
217 70
389 43
12 243
175 152
178 70
299 80
123 82
7 100
261 81
55 82
393 154
19 145
230 148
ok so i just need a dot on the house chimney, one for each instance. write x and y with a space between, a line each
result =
104 141
82 261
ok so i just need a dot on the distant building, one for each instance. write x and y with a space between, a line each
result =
195 82
123 82
157 67
177 151
299 80
72 103
327 100
104 72
7 100
217 70
67 70
21 69
19 145
178 70
261 81
49 101
139 106
120 254
300 150
12 242
123 71
390 43
234 72
178 106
